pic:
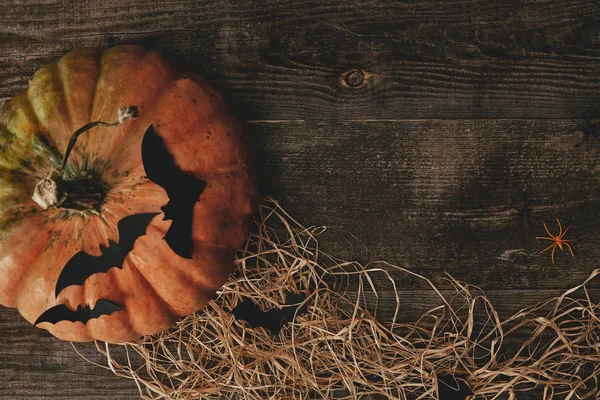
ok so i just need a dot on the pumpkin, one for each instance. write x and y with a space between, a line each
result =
126 190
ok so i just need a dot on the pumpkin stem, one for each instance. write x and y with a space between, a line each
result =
53 190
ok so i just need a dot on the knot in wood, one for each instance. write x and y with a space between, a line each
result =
355 78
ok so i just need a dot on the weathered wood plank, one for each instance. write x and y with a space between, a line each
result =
442 196
35 365
432 195
283 59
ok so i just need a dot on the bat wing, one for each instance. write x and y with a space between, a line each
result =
274 319
82 265
104 307
251 313
83 314
58 313
183 190
291 309
78 269
277 318
158 163
179 235
131 228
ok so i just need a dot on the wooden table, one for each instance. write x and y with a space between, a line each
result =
444 152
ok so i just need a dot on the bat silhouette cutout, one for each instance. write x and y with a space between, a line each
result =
82 314
274 319
182 188
82 265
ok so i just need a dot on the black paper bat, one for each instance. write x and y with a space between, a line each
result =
82 314
182 188
82 265
274 319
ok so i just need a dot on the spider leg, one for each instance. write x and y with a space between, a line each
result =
548 248
563 234
546 228
553 250
545 238
560 232
570 249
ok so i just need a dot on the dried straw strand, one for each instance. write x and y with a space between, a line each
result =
338 349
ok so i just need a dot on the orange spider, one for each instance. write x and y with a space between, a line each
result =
558 240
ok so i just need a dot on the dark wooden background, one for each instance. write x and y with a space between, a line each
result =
454 152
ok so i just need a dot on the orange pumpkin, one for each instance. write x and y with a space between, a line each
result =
146 215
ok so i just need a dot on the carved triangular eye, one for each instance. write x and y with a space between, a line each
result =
183 190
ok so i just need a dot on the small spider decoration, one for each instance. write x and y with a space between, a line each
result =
558 240
590 130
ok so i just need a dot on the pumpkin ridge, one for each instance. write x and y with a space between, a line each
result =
60 73
157 295
153 288
21 292
93 98
146 114
60 133
23 101
153 283
101 72
18 285
100 234
29 150
87 294
93 140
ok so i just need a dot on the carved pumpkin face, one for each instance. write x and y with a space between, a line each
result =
151 211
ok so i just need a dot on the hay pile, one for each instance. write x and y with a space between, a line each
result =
338 349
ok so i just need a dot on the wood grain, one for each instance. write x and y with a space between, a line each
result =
449 159
442 196
283 59
35 365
